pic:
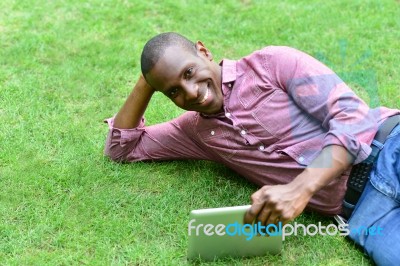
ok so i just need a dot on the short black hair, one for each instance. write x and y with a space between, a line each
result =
154 49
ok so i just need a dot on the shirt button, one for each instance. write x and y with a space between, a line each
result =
230 85
301 158
261 147
228 115
243 132
212 132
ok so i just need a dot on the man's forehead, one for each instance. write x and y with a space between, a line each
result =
172 62
175 54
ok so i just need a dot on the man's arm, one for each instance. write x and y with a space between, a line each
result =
284 203
321 94
133 109
130 140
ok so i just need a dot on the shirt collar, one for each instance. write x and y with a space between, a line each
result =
228 70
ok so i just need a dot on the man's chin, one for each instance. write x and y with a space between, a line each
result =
214 109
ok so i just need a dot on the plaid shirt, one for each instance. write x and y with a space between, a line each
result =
281 108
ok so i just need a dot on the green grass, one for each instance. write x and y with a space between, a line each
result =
67 65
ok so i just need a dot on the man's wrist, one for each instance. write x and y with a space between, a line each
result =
142 83
307 183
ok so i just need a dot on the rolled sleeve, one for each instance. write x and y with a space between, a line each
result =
360 150
319 92
175 139
120 142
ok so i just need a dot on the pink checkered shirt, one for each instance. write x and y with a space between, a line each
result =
281 107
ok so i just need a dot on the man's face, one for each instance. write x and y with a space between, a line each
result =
192 80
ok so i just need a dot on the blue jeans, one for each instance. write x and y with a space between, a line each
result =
379 207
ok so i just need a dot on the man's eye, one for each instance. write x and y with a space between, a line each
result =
189 72
173 93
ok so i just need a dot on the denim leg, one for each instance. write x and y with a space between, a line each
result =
379 212
379 207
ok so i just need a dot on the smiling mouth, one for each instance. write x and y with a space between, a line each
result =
205 97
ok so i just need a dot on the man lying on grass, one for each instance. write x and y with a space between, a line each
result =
278 117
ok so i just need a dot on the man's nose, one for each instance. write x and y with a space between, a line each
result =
191 92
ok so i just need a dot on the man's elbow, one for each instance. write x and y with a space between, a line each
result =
114 158
114 154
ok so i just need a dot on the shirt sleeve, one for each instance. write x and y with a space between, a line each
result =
166 141
319 92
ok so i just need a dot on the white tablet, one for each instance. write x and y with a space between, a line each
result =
220 232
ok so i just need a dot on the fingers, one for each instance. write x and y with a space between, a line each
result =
264 209
274 219
252 213
264 215
259 211
268 216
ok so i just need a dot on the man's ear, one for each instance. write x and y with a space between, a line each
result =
203 51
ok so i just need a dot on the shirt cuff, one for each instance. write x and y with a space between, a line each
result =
357 148
124 135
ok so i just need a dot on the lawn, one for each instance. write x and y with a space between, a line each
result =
67 65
